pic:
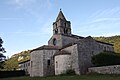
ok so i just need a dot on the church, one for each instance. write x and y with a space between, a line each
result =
65 51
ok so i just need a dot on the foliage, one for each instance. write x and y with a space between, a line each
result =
13 62
2 50
69 72
73 77
115 40
106 58
2 57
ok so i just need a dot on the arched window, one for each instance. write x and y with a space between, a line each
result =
54 41
56 24
65 24
65 31
56 31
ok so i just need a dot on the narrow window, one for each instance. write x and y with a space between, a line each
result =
56 24
65 31
54 41
56 31
105 48
28 63
65 24
31 64
92 52
48 62
56 64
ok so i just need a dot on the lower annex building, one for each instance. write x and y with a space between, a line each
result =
65 51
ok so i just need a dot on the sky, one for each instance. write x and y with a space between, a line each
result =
27 24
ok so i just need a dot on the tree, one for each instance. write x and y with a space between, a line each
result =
2 57
11 64
2 50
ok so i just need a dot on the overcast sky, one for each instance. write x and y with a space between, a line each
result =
27 24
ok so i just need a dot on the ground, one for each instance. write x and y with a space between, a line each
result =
74 77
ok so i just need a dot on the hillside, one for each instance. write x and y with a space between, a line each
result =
12 63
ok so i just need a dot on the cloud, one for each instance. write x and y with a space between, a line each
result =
106 13
20 3
103 22
36 8
10 18
28 3
100 27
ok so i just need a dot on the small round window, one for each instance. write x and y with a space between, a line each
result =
54 41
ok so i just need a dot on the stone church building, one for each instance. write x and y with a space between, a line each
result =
65 51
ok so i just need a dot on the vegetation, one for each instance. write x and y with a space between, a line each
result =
12 63
74 77
2 57
106 58
115 40
68 72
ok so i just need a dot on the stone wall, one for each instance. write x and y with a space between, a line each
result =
62 40
115 69
58 40
62 63
88 47
68 39
36 63
48 62
42 63
74 57
25 66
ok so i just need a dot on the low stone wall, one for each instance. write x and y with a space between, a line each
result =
114 69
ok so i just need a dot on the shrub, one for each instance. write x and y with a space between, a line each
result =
106 58
69 72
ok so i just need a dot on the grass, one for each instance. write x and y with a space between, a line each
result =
74 77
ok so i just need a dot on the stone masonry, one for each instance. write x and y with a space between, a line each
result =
114 69
65 51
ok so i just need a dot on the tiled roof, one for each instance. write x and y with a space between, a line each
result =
73 36
62 52
70 44
104 43
46 47
60 16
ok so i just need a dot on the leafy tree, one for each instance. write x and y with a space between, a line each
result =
11 64
106 58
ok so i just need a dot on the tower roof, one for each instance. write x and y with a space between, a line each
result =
60 16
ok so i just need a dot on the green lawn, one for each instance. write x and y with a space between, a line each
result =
75 77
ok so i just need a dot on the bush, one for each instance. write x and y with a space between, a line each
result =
69 72
106 59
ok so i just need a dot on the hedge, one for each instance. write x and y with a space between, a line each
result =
106 59
5 74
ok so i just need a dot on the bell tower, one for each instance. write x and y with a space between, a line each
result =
61 25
